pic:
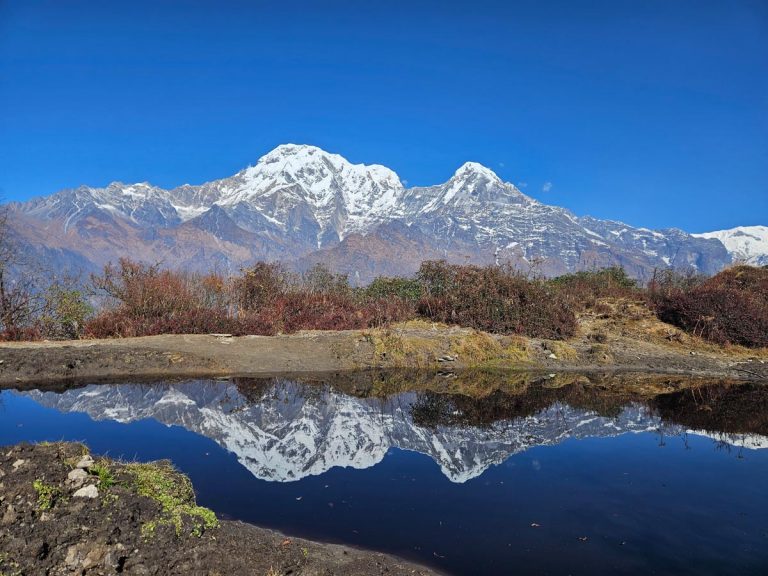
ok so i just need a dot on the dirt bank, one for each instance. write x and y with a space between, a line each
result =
624 337
63 514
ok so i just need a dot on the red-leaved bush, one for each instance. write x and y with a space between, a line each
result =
729 308
495 299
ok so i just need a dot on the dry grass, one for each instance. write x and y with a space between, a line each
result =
562 350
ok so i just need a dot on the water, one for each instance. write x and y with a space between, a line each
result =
525 479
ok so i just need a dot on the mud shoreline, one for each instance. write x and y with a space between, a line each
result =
420 346
60 516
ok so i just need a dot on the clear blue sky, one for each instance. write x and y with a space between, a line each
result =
654 112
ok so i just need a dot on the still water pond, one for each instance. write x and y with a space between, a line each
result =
523 478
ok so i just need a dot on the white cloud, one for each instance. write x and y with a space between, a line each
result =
547 187
522 185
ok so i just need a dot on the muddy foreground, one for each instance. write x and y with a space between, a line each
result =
61 512
627 338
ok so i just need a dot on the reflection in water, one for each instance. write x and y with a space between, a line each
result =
283 430
619 474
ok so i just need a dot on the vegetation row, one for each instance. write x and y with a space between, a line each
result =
133 299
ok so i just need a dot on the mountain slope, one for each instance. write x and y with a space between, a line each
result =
745 243
300 204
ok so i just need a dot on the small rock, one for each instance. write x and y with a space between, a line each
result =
446 359
95 555
89 491
552 355
85 462
77 477
18 464
44 517
74 556
9 517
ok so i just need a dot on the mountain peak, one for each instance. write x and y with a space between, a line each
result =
297 151
470 169
744 243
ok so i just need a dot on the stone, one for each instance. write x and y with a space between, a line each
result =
74 557
94 557
89 491
77 477
553 356
85 462
18 464
9 517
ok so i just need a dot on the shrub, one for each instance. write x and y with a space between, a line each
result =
407 289
320 280
260 285
65 312
495 299
147 291
583 289
731 307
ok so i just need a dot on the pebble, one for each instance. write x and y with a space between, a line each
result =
89 491
85 462
553 356
18 464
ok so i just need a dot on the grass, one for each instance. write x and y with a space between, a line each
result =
102 471
46 494
411 344
173 491
481 350
562 350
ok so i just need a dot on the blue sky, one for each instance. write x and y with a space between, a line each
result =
654 112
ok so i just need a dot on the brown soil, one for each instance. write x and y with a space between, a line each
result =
623 336
46 529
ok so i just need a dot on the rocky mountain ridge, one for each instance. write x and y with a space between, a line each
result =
301 205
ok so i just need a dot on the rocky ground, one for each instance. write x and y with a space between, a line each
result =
616 336
62 513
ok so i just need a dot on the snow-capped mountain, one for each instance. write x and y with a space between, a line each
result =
747 244
296 430
299 203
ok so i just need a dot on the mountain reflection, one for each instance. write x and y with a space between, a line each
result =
284 430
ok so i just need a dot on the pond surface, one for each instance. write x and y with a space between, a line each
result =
530 479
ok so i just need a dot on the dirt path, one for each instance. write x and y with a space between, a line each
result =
63 514
627 338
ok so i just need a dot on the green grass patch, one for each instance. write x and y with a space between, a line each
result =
46 494
102 471
173 491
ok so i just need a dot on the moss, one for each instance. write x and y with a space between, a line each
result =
173 491
46 494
